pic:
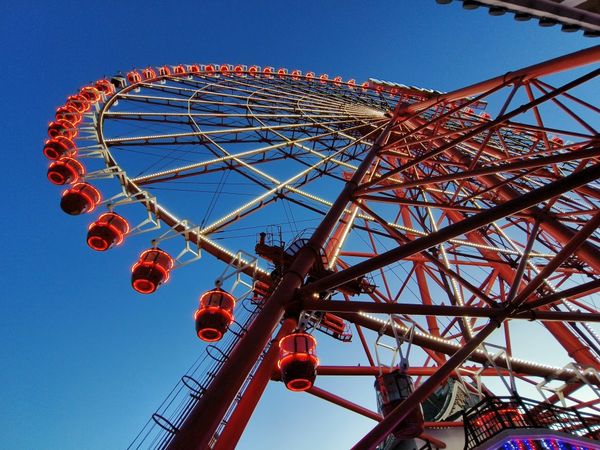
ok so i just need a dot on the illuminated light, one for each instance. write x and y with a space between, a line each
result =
337 81
80 198
179 70
224 69
209 69
65 170
511 414
210 335
282 72
62 127
268 71
239 70
134 77
351 83
296 74
164 71
324 78
310 76
151 270
105 86
253 70
79 102
144 286
214 315
194 68
298 361
365 86
107 231
68 113
149 73
92 94
59 146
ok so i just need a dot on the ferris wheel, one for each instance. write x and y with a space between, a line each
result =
411 222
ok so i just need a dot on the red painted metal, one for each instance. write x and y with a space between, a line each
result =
571 61
243 411
310 304
519 204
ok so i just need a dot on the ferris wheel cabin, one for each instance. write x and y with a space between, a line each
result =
215 314
298 361
151 270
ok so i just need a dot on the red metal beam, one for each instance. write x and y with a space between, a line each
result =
527 200
413 371
325 395
449 348
310 304
571 61
236 424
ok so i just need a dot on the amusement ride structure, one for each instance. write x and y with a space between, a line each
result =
429 232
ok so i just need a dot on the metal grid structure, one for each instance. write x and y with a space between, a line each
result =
416 206
493 415
572 15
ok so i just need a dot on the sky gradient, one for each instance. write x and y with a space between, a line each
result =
85 360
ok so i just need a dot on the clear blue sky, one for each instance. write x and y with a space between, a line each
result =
84 360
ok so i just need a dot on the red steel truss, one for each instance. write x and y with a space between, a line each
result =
424 145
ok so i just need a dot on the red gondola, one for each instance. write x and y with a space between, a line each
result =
105 86
179 70
65 170
253 70
62 127
268 71
107 231
134 77
58 147
149 73
296 74
151 270
239 70
224 69
80 198
298 361
209 69
164 71
351 83
337 81
309 76
324 78
91 94
79 102
68 113
215 314
282 72
194 68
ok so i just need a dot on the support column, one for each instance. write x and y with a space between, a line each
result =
244 409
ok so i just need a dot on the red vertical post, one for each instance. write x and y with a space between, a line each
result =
244 409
